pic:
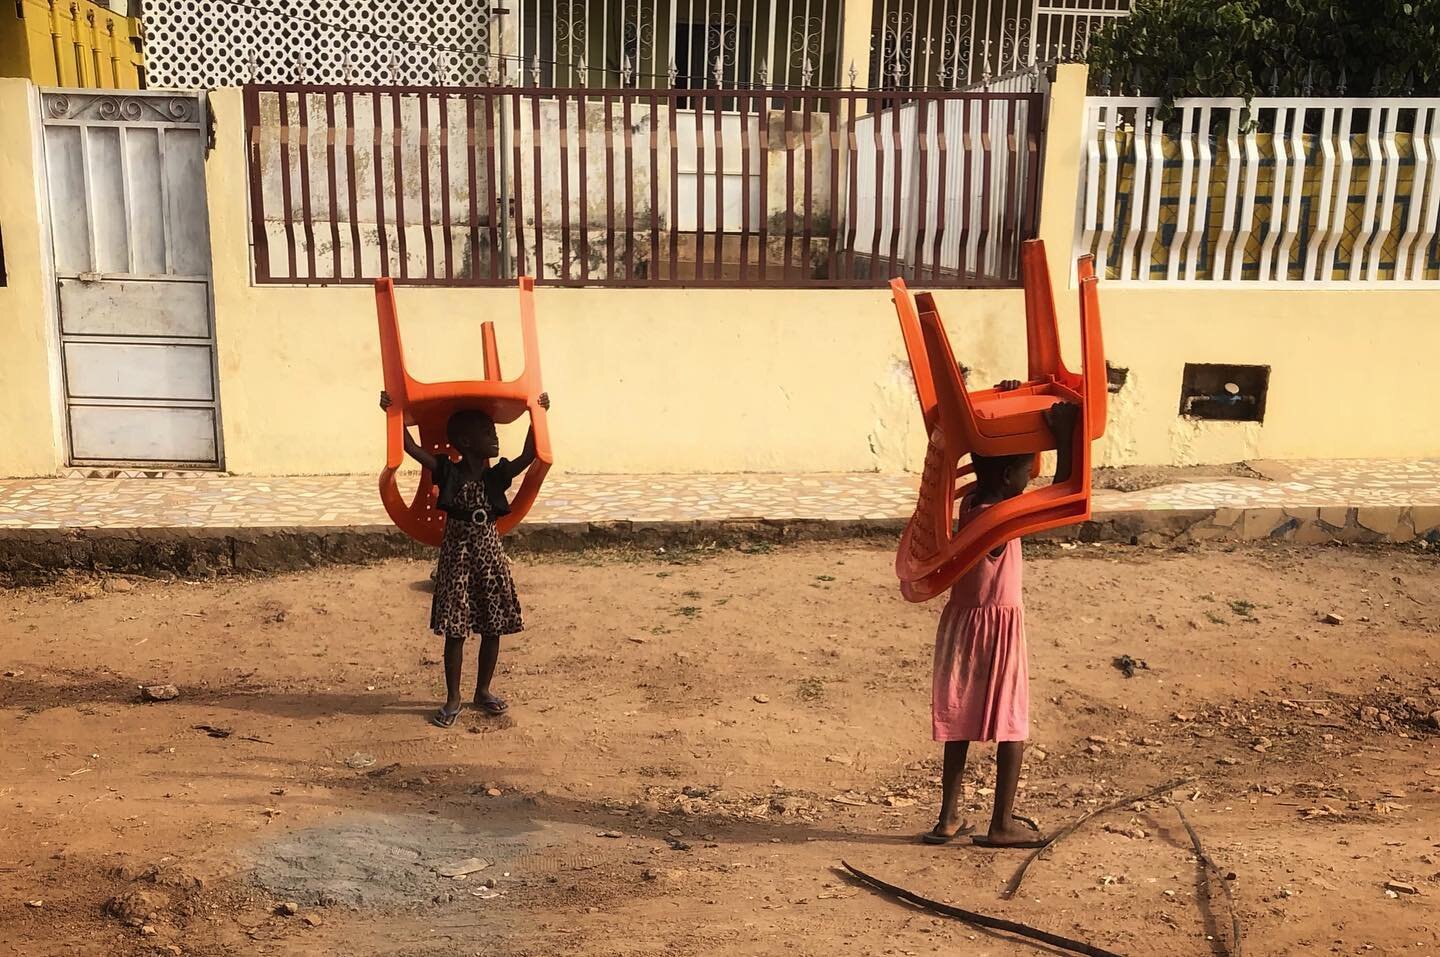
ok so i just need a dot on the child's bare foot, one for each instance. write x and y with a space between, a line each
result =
1013 834
490 704
949 827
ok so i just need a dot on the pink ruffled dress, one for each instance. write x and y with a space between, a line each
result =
982 682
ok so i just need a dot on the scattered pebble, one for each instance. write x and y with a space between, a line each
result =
611 834
312 921
159 692
762 699
844 759
1401 887
492 792
1229 761
35 904
359 760
14 673
1333 619
288 909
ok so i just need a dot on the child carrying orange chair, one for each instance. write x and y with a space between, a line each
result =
981 683
474 592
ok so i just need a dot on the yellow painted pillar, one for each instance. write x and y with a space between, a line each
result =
29 418
1060 185
858 17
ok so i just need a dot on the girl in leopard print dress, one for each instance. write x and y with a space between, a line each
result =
474 593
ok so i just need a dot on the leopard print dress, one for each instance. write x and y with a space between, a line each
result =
474 593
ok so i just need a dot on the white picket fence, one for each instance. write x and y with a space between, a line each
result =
1279 191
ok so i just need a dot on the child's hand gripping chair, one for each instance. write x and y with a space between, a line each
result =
937 549
429 405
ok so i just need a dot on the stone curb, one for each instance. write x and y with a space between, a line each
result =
210 551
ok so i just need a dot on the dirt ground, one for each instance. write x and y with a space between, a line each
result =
696 741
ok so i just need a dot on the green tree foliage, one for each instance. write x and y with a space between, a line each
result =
1248 48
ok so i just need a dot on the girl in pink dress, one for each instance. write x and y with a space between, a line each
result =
981 686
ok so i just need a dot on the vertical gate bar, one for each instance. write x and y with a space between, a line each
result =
377 156
987 187
1342 191
306 210
852 208
762 126
422 103
257 187
397 176
285 195
1277 193
789 145
922 217
472 187
877 224
896 211
1297 186
832 116
699 101
1246 224
741 102
942 107
1179 238
537 147
1010 245
564 103
1432 203
653 272
608 102
1385 222
584 120
167 234
628 138
672 105
517 195
1321 228
719 190
492 202
965 205
331 184
351 186
807 118
1034 119
1200 221
127 198
447 240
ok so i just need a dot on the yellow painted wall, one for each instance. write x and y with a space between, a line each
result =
736 380
29 437
54 47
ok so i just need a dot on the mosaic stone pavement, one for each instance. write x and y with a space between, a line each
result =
1290 495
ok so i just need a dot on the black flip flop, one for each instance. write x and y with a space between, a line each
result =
494 707
937 840
445 719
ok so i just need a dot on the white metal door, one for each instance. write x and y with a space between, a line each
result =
126 182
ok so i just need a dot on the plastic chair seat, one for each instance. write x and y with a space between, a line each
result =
429 405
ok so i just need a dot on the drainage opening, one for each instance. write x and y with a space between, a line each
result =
1224 392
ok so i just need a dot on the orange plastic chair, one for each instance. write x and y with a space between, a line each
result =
936 549
429 405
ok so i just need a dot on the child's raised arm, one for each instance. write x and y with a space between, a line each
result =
527 455
412 448
1063 417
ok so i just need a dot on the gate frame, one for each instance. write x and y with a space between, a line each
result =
60 398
